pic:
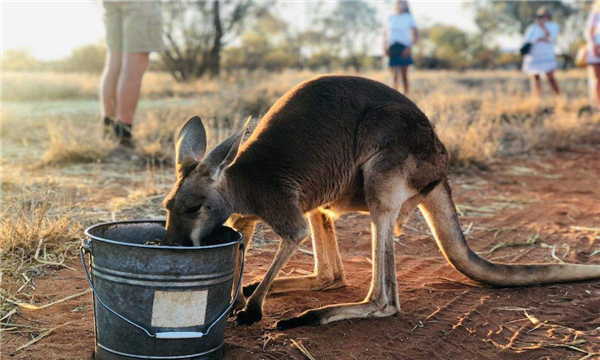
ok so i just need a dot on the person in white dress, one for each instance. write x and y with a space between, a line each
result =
541 58
399 36
592 35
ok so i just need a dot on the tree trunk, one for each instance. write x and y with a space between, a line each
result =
355 62
215 53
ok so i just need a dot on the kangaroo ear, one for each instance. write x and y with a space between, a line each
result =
223 154
191 143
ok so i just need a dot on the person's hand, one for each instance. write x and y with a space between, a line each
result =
386 50
406 52
542 23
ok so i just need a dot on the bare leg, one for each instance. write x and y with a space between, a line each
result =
553 82
108 87
130 82
404 70
537 85
329 271
396 77
597 73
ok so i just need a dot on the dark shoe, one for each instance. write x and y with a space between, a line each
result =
108 130
118 129
123 132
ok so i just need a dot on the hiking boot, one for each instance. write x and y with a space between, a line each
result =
108 128
118 129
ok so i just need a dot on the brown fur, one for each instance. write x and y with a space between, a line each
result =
330 145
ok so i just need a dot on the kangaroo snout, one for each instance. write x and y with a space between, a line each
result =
177 234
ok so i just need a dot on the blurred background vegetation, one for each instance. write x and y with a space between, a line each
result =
235 37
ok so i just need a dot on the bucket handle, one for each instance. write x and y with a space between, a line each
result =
87 248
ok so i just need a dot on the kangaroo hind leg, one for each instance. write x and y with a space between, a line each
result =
385 202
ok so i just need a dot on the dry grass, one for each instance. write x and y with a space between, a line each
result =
28 86
44 86
71 142
33 223
478 115
478 125
79 140
38 233
154 135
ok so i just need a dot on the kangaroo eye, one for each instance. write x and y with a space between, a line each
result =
194 209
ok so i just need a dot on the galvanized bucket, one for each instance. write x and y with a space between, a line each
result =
159 302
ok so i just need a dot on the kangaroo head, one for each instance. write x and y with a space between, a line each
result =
197 205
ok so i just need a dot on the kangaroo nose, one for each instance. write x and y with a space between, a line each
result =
170 233
174 236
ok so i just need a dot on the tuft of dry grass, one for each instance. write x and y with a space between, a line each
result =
477 126
32 224
71 142
154 135
38 233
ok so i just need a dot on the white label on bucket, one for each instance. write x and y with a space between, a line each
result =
175 309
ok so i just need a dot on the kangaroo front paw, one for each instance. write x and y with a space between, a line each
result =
248 316
307 318
239 304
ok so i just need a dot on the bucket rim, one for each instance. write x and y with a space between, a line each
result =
164 247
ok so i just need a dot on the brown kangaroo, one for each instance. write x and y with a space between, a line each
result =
331 145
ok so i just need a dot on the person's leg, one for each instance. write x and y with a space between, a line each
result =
110 77
537 85
597 73
404 70
130 81
142 35
553 82
108 86
396 77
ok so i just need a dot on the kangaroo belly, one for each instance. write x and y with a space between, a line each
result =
351 199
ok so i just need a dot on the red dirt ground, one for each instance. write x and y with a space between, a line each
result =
444 314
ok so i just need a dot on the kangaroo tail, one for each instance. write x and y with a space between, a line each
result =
440 214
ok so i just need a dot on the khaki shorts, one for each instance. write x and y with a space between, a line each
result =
133 26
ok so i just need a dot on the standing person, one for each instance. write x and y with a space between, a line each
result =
541 58
133 31
592 35
399 36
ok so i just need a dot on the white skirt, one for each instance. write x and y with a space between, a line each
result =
540 60
535 66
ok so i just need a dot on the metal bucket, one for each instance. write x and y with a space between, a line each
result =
159 302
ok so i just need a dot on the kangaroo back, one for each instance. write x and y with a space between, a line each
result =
317 136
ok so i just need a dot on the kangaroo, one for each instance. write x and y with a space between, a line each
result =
331 145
